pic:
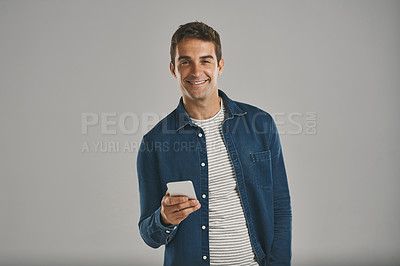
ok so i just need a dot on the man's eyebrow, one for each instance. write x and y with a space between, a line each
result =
207 56
183 57
188 57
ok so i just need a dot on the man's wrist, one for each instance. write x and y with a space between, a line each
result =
163 222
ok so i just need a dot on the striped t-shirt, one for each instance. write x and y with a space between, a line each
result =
229 240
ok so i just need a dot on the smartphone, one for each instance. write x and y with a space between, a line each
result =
182 188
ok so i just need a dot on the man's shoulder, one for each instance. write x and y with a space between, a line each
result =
253 111
167 124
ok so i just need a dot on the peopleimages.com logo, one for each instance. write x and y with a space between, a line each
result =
98 128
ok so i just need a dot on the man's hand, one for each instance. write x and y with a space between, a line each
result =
175 209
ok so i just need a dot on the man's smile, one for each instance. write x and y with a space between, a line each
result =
196 82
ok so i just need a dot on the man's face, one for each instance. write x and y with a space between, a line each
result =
196 69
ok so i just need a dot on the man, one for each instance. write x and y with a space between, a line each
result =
231 152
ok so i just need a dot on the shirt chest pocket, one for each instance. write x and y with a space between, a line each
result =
261 169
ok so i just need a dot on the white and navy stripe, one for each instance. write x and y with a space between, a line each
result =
228 234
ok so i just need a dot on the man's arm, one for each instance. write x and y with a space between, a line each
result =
281 251
160 217
153 232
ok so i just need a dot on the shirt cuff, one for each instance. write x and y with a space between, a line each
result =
166 229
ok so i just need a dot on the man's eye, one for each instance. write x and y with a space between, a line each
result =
206 61
184 62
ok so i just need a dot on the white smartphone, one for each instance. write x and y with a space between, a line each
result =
182 188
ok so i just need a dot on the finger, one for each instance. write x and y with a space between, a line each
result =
179 216
185 212
165 196
180 206
173 200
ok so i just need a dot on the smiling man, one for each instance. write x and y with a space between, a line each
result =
232 154
196 68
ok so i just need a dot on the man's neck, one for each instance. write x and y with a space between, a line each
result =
203 110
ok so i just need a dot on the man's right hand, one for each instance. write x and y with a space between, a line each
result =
175 209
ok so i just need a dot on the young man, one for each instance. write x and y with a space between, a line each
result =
231 152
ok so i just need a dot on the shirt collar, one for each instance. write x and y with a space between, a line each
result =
231 109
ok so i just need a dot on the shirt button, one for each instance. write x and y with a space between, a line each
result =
204 196
167 231
174 227
200 135
204 257
203 164
203 227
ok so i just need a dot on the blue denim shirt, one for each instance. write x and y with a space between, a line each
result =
174 151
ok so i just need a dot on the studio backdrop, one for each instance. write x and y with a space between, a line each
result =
82 81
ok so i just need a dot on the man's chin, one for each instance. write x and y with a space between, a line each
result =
196 93
199 94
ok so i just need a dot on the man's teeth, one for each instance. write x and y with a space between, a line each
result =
198 82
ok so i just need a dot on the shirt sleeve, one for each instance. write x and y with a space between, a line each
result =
281 250
153 232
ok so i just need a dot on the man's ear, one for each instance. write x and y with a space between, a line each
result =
172 69
221 66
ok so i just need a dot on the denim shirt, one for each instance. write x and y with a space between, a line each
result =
174 150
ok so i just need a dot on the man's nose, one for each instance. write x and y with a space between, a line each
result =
196 70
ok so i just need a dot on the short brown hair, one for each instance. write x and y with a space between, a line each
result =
196 30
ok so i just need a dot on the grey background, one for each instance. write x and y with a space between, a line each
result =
61 59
